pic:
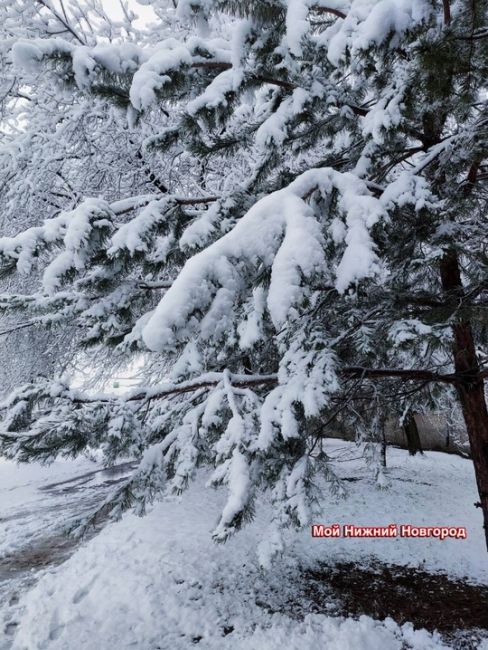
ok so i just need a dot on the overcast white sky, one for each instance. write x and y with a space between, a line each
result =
145 13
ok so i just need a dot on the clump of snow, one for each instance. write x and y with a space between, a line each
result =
150 69
408 330
76 231
409 188
154 73
297 23
239 483
305 376
372 22
202 228
215 94
135 234
172 56
79 239
250 329
273 129
119 58
187 10
282 232
29 53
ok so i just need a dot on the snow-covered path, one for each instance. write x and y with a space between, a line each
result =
36 504
161 583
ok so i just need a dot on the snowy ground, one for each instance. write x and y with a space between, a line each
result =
36 504
161 583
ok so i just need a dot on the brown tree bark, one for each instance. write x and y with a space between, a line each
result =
412 434
469 384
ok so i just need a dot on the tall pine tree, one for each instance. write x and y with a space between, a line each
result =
312 249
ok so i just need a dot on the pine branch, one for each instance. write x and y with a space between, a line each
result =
480 33
65 23
124 205
209 381
328 10
155 285
16 328
249 381
447 12
218 65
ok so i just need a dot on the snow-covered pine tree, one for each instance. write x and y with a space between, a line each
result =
318 254
56 147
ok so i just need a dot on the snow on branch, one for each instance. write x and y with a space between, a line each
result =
372 23
297 24
280 232
238 381
170 443
74 421
81 232
121 59
362 24
149 69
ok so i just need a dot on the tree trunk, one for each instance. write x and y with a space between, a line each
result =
470 386
412 434
383 448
